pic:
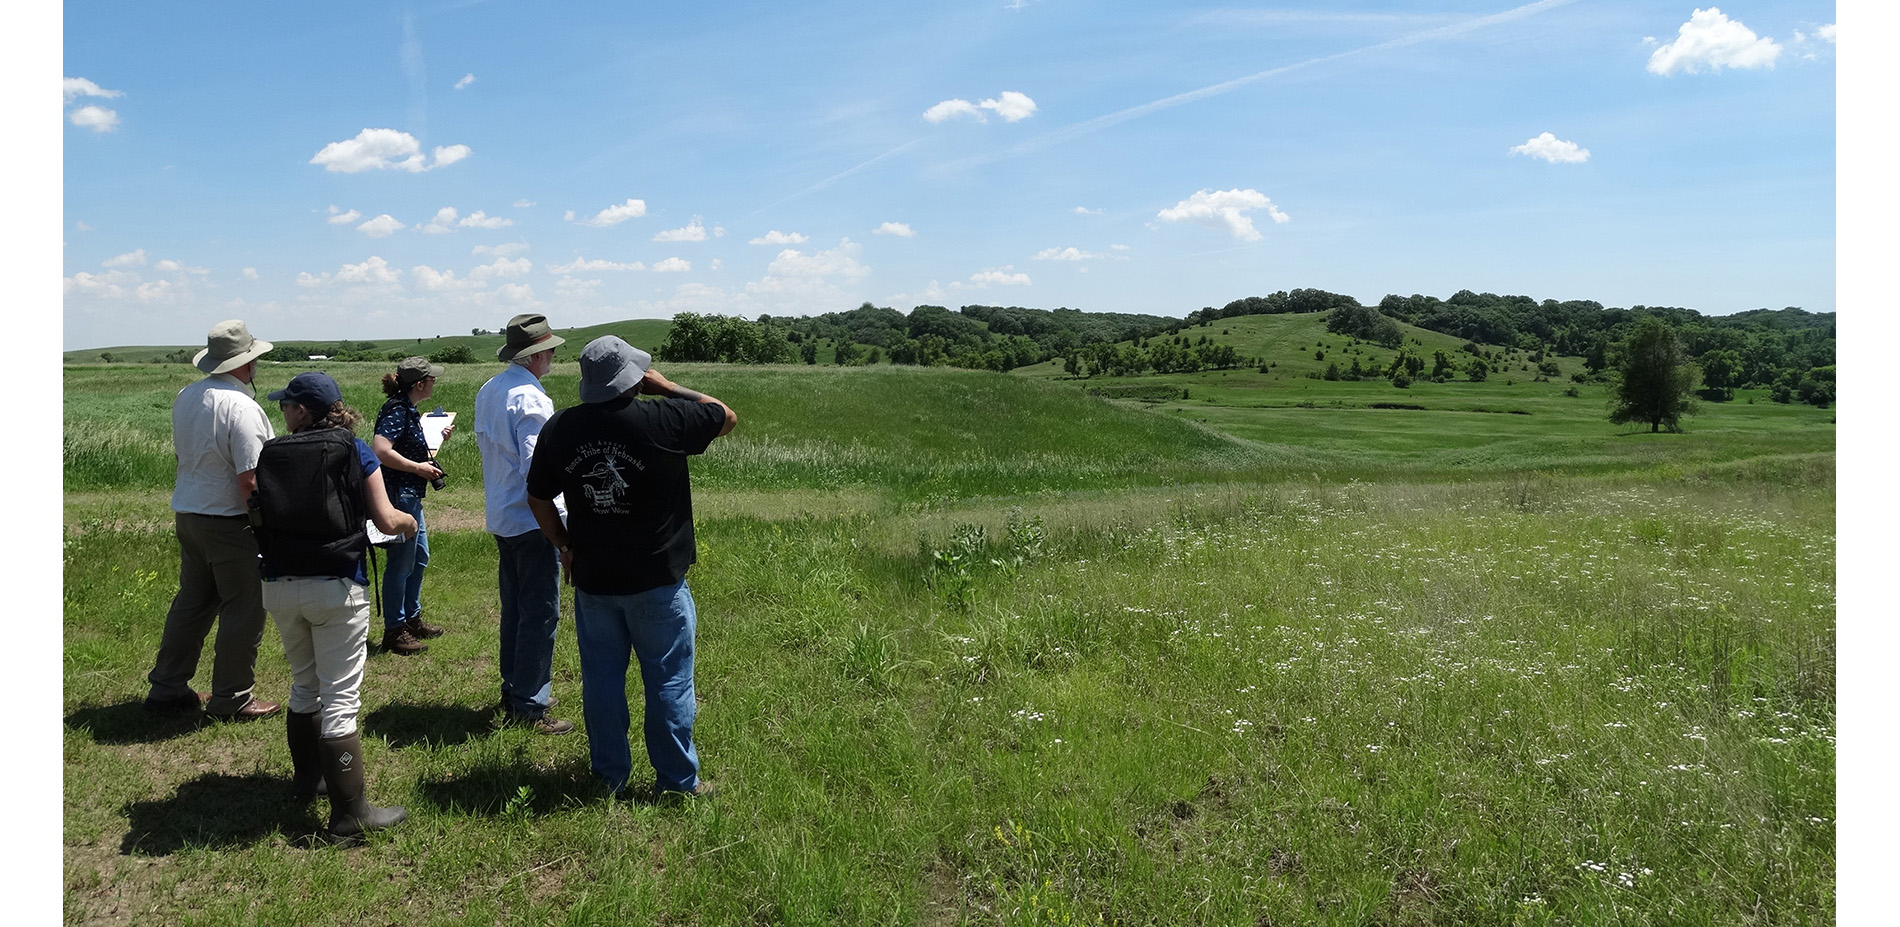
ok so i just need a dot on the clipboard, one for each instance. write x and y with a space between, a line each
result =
377 538
433 424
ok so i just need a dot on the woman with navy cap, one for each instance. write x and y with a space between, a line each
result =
404 452
320 604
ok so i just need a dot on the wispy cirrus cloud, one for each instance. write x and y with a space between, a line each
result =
383 150
465 81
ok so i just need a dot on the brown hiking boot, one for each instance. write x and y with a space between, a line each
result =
401 641
541 725
421 631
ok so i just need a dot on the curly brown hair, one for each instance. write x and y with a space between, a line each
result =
337 416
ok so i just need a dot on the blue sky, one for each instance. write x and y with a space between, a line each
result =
396 170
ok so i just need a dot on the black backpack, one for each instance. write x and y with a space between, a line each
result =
307 512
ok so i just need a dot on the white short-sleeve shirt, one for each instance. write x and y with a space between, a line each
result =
217 432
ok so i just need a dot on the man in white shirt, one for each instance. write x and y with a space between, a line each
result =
218 430
509 411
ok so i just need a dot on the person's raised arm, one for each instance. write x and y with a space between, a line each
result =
653 383
387 518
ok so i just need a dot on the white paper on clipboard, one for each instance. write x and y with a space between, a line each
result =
433 424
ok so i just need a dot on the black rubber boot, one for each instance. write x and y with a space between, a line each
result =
306 758
351 814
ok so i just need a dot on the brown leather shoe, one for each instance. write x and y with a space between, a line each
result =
421 631
252 710
402 642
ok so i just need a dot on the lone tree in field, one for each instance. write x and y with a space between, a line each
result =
1655 380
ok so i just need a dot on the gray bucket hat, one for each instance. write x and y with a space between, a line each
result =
412 370
528 333
609 367
228 347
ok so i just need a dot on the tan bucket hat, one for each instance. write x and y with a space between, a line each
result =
528 333
228 347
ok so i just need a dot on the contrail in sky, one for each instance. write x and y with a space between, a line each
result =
1135 112
835 177
1099 123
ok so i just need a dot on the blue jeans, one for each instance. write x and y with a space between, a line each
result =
530 579
657 626
402 572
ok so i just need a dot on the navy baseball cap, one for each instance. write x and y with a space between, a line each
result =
312 389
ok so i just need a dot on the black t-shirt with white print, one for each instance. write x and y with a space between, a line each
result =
622 465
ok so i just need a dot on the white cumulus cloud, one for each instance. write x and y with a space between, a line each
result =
523 203
481 220
382 226
1010 104
672 265
73 88
179 267
443 223
96 118
441 281
384 149
250 273
614 215
1224 209
580 264
501 267
693 231
1067 254
899 229
128 259
1085 211
465 81
1712 40
950 109
776 237
1553 149
1001 277
339 217
575 287
373 270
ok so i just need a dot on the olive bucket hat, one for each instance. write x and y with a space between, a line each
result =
528 333
228 347
413 370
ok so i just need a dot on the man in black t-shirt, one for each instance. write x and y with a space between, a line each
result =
626 547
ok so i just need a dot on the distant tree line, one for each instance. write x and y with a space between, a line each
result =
1790 351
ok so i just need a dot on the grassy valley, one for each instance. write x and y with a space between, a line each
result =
986 648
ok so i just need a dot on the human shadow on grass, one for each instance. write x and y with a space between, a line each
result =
407 724
130 723
502 789
217 811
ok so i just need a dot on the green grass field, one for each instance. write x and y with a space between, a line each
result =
981 649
